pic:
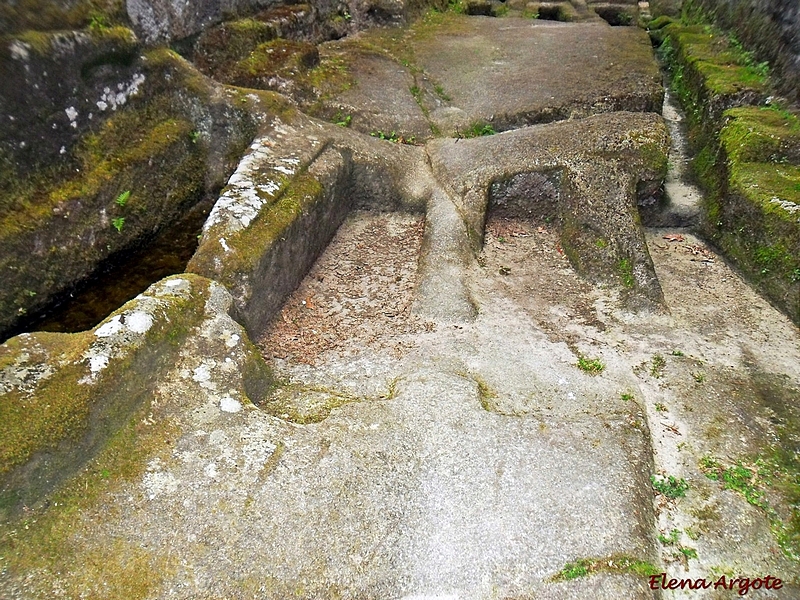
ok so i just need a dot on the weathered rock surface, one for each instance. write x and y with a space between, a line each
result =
159 21
769 27
65 395
595 166
98 158
747 157
512 73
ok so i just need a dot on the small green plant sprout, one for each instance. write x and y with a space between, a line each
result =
394 137
660 407
671 539
592 366
441 93
657 366
671 487
688 552
677 352
710 467
625 268
573 570
118 223
122 199
194 136
343 120
477 129
743 480
699 376
626 396
98 22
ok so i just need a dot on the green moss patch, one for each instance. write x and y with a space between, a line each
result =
305 404
764 182
52 539
66 418
156 147
273 222
583 567
709 74
49 15
760 134
748 156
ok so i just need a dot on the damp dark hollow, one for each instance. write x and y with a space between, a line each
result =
616 17
552 12
120 278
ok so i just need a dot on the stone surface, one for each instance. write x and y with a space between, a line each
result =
94 382
97 160
598 162
512 73
767 26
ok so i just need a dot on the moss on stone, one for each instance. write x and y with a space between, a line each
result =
272 223
66 418
760 134
47 15
304 404
156 146
280 65
659 22
220 47
51 537
747 156
769 186
709 74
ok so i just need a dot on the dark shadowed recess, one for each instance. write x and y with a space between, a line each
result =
122 277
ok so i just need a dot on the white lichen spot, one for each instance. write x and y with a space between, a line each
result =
269 188
138 321
157 483
175 282
201 374
230 405
211 470
284 170
72 115
63 150
786 205
97 363
232 341
19 50
224 245
110 328
114 99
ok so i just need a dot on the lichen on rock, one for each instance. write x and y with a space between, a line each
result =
63 396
